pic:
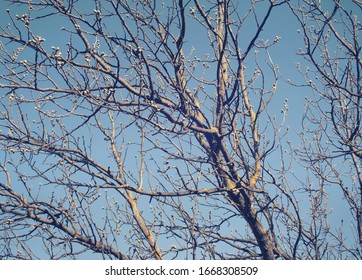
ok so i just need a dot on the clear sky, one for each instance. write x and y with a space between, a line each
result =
284 55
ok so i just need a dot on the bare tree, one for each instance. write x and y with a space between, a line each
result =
331 145
140 129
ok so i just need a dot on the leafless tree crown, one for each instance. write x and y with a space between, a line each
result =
145 130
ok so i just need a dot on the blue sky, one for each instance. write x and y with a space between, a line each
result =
283 53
